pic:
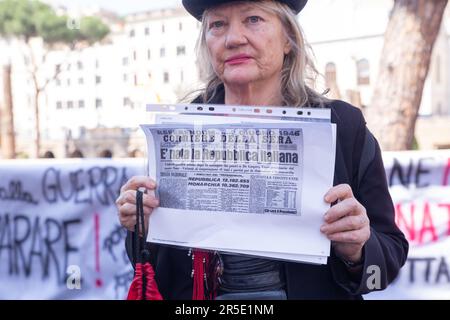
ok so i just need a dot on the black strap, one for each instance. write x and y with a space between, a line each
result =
139 242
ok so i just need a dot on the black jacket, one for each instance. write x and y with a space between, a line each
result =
386 248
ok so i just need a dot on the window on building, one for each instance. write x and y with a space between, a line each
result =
80 81
98 79
106 154
49 154
163 28
363 72
125 77
58 82
135 80
166 77
147 31
77 153
81 104
182 76
162 52
98 103
134 55
149 54
69 104
442 146
330 74
180 26
69 66
125 61
97 64
126 102
58 105
68 82
79 65
132 33
181 50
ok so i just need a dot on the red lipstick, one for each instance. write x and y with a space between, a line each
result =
238 59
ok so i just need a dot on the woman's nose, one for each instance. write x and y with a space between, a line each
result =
235 36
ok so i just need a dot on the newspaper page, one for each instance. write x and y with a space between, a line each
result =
220 114
238 187
230 169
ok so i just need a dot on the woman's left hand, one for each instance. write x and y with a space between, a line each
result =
346 223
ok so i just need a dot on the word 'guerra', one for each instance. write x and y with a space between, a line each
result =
100 184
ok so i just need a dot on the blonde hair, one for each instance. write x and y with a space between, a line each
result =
298 66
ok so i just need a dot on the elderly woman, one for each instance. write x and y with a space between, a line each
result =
254 53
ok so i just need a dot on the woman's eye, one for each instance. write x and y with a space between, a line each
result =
254 19
216 24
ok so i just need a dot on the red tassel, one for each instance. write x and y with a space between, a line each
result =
136 291
200 265
151 289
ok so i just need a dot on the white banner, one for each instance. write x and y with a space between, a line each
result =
60 237
420 187
59 233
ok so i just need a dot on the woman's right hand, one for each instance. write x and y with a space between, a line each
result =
126 202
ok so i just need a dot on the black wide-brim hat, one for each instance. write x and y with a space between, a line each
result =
197 7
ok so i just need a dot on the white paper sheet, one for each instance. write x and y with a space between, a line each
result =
288 238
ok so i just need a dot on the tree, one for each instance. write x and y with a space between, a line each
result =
8 143
409 39
28 19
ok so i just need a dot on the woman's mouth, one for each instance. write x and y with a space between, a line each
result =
238 59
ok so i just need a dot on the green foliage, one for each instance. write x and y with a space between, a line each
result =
92 29
17 17
31 18
53 29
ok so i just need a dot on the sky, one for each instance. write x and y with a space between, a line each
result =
121 7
